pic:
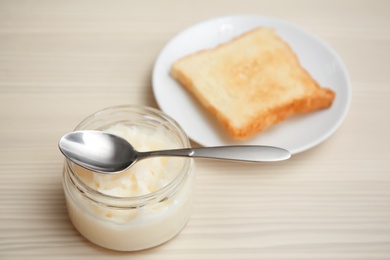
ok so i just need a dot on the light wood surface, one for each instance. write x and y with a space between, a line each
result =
63 60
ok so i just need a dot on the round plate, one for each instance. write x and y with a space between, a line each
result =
297 133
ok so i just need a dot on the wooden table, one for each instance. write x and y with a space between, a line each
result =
63 60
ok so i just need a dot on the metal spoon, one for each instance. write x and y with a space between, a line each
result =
108 153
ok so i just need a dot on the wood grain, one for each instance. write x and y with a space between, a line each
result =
63 60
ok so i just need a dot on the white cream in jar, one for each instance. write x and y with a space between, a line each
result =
143 206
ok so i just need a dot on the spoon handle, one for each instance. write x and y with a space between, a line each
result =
248 153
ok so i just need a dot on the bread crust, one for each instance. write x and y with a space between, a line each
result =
314 97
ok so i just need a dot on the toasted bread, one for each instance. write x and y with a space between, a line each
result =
250 83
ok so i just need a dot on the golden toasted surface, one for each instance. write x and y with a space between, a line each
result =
251 82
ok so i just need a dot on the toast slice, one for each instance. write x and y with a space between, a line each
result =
251 83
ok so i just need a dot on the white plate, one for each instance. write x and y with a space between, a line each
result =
297 133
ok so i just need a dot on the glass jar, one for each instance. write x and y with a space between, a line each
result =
129 223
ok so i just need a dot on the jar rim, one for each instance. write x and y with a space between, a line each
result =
135 201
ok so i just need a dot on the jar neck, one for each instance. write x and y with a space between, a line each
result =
126 202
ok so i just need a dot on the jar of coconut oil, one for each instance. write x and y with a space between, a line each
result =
144 206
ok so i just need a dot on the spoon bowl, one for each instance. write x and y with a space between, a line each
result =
107 153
